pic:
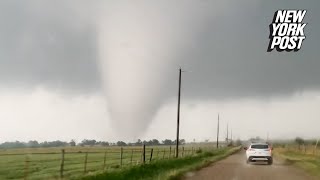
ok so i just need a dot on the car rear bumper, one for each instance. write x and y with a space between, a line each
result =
260 158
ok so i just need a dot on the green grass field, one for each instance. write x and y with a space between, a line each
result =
307 159
168 168
44 163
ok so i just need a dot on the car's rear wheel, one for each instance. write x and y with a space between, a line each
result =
248 161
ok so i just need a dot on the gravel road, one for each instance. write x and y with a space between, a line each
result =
235 168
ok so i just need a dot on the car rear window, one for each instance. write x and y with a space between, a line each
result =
259 146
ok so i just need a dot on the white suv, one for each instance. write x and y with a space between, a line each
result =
259 152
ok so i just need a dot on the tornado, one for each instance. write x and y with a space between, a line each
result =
140 44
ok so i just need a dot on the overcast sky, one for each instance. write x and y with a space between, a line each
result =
109 70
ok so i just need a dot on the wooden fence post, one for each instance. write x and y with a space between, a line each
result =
315 147
85 162
170 153
104 160
192 151
121 153
141 157
164 152
158 154
144 154
151 154
182 151
26 168
62 164
131 156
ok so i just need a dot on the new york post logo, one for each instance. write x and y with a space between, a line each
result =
287 30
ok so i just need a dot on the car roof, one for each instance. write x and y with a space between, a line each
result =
259 144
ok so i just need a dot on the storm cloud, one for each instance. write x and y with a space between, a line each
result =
48 43
55 44
221 45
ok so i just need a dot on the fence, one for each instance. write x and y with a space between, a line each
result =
304 149
71 163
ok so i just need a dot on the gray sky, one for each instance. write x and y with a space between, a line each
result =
82 70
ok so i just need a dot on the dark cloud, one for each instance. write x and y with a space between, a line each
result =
229 58
55 45
48 43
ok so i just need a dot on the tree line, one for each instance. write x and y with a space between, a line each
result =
86 142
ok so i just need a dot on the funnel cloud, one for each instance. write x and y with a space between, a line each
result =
138 47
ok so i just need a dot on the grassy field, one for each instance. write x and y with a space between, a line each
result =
45 163
166 169
306 158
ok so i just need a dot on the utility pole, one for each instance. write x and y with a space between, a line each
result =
315 147
178 115
227 132
231 136
218 133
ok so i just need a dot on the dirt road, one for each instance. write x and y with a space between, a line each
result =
235 168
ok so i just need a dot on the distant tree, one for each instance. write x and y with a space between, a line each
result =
145 142
104 143
121 143
138 143
57 143
238 142
167 142
16 144
53 144
230 144
299 141
72 142
87 142
182 141
155 142
313 142
33 144
84 142
44 144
